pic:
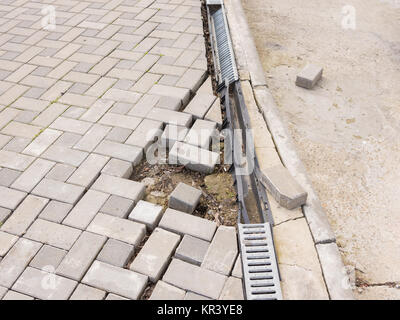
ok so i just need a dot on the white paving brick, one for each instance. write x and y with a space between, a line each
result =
42 142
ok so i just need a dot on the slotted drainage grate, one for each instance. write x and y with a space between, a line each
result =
260 270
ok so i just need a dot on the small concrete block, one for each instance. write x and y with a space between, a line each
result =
283 187
200 105
13 295
4 214
117 206
172 134
223 250
116 280
192 278
184 198
201 133
237 268
164 291
6 242
192 250
194 296
183 223
48 258
154 257
55 211
233 290
309 76
147 213
112 296
84 292
116 253
118 168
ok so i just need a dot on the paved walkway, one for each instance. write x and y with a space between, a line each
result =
78 99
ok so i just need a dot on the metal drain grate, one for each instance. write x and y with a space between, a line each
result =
260 270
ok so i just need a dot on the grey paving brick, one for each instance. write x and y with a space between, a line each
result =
170 103
42 142
147 213
192 79
97 110
84 292
17 144
233 290
13 160
65 155
120 187
10 198
182 94
88 171
237 268
172 134
215 114
200 105
24 215
145 134
115 280
120 151
170 117
81 255
8 176
309 76
48 258
165 291
184 198
222 253
118 120
144 105
117 228
6 242
4 215
60 172
3 291
118 134
16 260
92 138
154 257
192 278
183 223
116 253
71 125
53 234
13 295
44 286
46 117
201 133
57 190
55 211
192 250
118 168
117 206
68 140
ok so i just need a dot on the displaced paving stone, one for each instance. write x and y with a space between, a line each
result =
194 296
192 250
201 133
117 228
6 242
153 258
200 105
233 290
16 260
24 215
215 114
164 291
13 295
118 168
120 151
117 206
170 117
53 234
237 268
81 255
147 213
172 134
184 198
283 187
84 292
4 214
88 171
169 103
193 158
48 258
10 198
309 76
116 280
223 250
116 253
58 190
32 280
183 223
192 278
55 211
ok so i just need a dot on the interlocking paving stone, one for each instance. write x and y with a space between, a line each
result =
120 151
81 255
147 213
92 138
55 211
192 278
192 79
42 142
48 258
145 134
43 285
214 114
164 291
84 292
200 134
57 190
118 134
192 250
112 296
118 168
183 223
10 198
8 176
6 242
170 117
118 206
53 234
200 105
19 129
116 253
172 134
60 172
88 171
64 154
233 290
16 260
13 160
237 268
184 198
180 93
4 214
116 280
117 120
13 295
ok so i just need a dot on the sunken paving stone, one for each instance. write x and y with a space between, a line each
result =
4 215
118 168
120 187
193 158
120 151
165 291
116 280
193 278
170 117
223 250
183 223
57 190
309 76
147 213
48 258
117 228
200 105
24 215
117 206
6 242
16 260
173 133
154 257
53 234
81 255
116 253
84 292
233 290
201 133
55 211
184 198
192 250
44 285
10 198
13 295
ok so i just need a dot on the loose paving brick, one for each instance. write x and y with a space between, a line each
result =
88 171
48 258
116 280
192 278
116 253
84 292
147 213
81 255
192 250
183 223
6 242
309 76
118 206
145 134
164 291
57 190
120 151
215 114
172 134
223 250
200 105
170 117
55 211
233 290
118 168
153 258
184 198
201 133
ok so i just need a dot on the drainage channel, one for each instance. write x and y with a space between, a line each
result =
259 264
